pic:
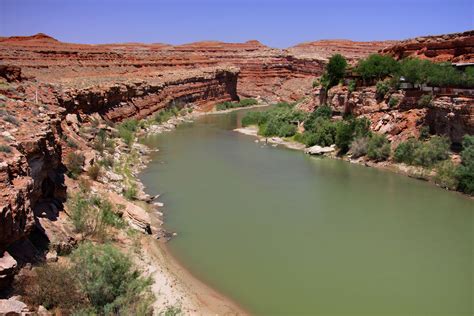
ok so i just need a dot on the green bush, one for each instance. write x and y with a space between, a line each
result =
393 102
11 119
74 162
344 135
359 147
466 169
130 192
109 281
5 149
377 67
446 175
405 151
425 100
381 89
127 131
90 214
352 86
162 116
424 133
378 148
323 133
231 105
323 111
247 102
434 150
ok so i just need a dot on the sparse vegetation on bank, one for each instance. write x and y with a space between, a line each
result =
232 105
96 279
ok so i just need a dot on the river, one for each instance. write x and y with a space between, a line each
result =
283 233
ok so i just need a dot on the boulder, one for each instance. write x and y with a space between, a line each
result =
12 306
318 150
7 269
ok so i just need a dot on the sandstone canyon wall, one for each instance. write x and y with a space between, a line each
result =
43 80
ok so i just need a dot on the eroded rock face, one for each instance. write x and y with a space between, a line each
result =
264 71
446 115
8 267
456 48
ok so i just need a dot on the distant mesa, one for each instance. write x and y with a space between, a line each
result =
40 37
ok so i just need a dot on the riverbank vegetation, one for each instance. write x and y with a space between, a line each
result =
232 105
352 136
95 279
377 68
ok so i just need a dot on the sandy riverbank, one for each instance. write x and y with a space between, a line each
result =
173 284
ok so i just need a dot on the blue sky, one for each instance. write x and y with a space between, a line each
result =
277 23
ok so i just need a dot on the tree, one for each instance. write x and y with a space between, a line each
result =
377 67
466 169
335 70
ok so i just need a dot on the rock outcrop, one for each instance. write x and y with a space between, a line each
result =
455 47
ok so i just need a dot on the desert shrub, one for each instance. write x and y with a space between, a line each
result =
106 161
162 116
378 148
248 102
11 119
352 86
323 133
130 192
109 281
434 150
71 143
381 89
359 147
251 118
466 169
425 100
74 163
405 151
90 214
5 149
377 67
393 102
171 311
446 175
94 172
348 130
127 131
344 135
52 286
232 105
287 130
424 133
322 111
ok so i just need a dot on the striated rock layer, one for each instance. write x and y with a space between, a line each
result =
456 48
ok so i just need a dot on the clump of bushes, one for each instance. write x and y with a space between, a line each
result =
426 154
99 280
378 147
446 175
359 147
465 173
381 89
393 102
127 131
163 115
5 149
90 214
232 105
94 171
74 163
425 100
279 121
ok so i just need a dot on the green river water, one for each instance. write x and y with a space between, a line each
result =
282 233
